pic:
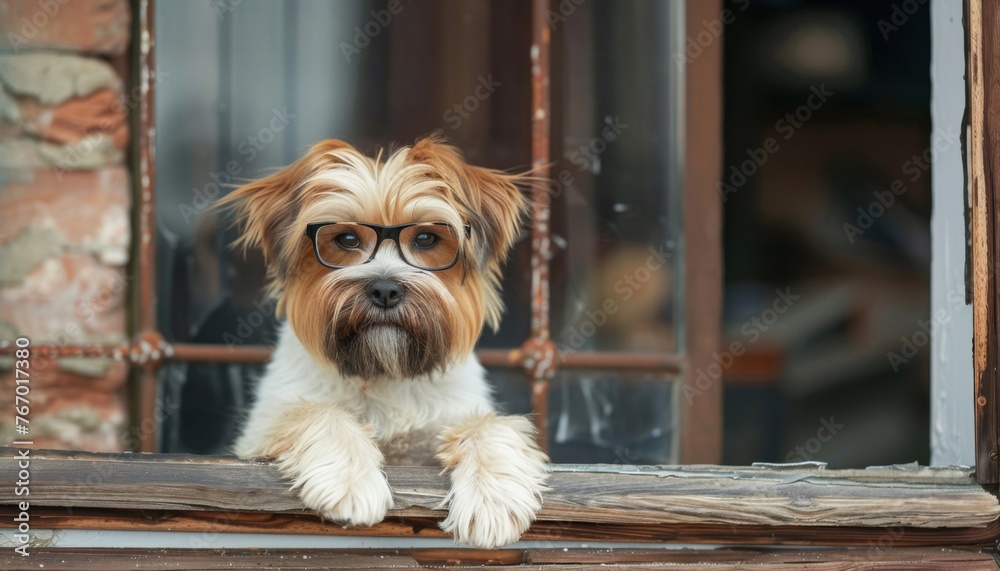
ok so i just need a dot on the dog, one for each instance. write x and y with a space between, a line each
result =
385 272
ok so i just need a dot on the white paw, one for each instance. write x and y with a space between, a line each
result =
348 495
497 474
492 511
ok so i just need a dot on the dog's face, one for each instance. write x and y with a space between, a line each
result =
377 314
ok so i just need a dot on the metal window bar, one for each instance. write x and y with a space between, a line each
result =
538 356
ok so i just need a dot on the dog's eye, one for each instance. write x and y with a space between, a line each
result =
347 240
426 240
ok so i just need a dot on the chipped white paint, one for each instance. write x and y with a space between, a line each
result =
952 424
96 539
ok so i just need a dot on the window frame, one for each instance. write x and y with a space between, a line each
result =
982 164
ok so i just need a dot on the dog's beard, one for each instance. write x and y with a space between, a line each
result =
408 341
380 351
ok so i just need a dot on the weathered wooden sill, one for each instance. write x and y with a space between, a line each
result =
844 558
900 506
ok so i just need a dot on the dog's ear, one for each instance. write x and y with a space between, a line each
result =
493 202
265 209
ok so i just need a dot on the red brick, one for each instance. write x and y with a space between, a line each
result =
69 299
89 208
72 120
69 410
97 26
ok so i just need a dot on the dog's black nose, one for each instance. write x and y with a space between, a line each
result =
384 293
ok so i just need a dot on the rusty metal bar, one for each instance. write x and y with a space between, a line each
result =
501 358
540 351
118 352
145 311
152 351
617 360
622 361
220 353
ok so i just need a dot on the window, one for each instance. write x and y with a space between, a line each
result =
610 296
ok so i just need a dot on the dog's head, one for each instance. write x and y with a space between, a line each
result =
386 267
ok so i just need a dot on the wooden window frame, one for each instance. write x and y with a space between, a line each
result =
796 505
983 172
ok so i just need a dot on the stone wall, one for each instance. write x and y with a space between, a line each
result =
65 211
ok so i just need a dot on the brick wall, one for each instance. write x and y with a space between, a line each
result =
64 211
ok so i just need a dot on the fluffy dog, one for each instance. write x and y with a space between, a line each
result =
386 271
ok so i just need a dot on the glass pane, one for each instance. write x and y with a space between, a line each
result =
613 418
511 390
248 88
824 284
617 231
201 405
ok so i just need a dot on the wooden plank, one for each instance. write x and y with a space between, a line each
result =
414 527
706 495
984 170
783 559
531 559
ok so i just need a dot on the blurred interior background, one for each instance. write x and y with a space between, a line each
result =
862 287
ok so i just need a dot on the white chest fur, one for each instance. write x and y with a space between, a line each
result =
401 413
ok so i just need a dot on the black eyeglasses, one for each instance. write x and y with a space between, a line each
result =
431 246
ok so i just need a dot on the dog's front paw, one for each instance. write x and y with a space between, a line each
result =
491 511
346 497
497 478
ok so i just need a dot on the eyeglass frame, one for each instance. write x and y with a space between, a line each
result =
383 233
